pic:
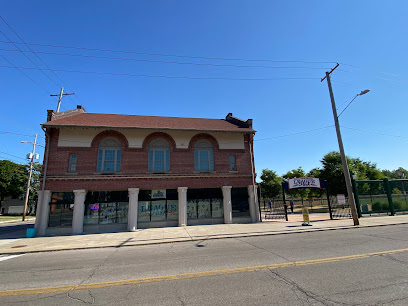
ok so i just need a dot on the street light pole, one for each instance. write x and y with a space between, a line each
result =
29 175
350 193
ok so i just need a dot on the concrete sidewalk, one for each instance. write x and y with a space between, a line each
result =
189 233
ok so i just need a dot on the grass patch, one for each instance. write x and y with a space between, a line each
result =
14 218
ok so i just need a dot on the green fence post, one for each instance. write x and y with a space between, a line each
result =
356 198
389 196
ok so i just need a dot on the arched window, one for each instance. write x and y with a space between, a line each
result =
159 155
109 152
203 156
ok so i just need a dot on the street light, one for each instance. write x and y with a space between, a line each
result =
347 178
30 156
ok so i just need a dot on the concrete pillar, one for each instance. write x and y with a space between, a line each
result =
182 206
227 204
133 208
253 205
43 211
79 207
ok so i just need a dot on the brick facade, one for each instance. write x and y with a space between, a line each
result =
79 133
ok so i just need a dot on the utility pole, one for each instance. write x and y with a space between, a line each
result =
60 97
32 156
350 193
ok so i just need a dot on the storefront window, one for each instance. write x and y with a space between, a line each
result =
61 209
204 203
144 211
158 210
172 209
158 205
106 207
239 200
217 208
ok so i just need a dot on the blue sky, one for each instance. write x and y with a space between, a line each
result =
285 48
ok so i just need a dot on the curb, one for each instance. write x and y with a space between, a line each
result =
203 238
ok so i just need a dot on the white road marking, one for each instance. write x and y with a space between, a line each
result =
10 257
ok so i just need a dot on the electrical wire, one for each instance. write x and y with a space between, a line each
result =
13 155
298 133
18 49
18 69
5 132
171 77
373 132
179 63
34 54
182 56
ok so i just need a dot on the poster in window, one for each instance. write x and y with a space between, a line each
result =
122 212
158 210
217 208
204 208
192 209
107 213
172 209
144 211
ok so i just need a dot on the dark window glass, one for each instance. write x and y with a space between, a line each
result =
72 165
233 166
61 209
239 201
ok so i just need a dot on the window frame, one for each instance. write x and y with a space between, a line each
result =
232 162
203 146
103 149
157 146
72 165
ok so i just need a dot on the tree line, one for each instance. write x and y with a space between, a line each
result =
331 171
13 181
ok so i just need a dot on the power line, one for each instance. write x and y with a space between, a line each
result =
168 62
5 132
24 74
177 55
373 132
30 60
9 159
171 77
12 155
298 133
33 52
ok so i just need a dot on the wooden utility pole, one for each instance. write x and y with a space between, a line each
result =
29 175
350 193
60 97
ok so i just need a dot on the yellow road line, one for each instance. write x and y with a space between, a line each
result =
193 275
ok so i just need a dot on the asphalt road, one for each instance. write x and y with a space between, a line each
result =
366 266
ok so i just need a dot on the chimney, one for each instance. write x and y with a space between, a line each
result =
50 114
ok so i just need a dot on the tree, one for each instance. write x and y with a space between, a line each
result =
271 185
332 173
13 179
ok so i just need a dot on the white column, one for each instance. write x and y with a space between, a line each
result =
79 207
133 208
43 210
226 202
253 205
38 210
182 206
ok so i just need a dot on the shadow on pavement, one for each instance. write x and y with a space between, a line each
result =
14 230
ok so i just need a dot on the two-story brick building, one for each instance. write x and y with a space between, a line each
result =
106 172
